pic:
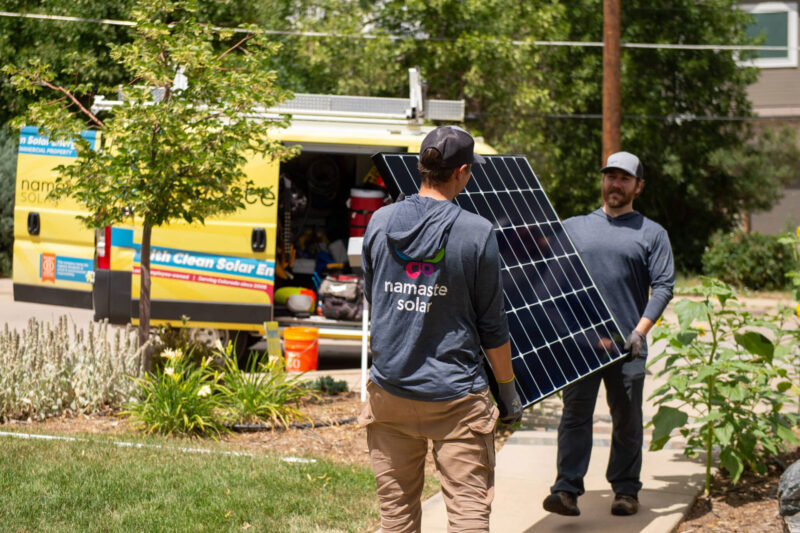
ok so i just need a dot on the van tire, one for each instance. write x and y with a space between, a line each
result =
242 340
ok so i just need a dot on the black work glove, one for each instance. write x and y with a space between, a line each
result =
634 345
509 403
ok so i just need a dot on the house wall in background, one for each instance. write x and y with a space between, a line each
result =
776 97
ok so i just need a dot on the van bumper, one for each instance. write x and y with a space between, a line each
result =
112 296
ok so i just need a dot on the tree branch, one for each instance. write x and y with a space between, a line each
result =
235 46
71 97
57 100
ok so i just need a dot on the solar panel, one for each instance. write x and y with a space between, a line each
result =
561 328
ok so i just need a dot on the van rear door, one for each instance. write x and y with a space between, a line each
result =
53 250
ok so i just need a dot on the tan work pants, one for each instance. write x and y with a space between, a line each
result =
462 432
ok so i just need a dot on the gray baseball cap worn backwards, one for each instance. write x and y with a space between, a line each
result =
626 162
456 146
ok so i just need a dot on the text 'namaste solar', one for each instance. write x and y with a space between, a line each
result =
561 329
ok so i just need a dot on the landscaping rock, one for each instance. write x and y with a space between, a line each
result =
789 498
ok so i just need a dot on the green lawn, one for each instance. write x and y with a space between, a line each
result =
96 486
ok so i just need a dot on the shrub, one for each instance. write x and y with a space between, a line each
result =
179 399
46 371
753 261
327 385
184 397
262 392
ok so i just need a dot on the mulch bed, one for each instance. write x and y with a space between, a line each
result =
341 442
750 506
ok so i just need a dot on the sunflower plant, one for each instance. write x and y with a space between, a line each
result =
794 333
794 276
728 381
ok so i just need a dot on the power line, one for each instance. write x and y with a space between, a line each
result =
64 18
677 119
587 44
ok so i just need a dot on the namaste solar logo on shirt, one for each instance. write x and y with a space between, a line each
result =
423 293
415 268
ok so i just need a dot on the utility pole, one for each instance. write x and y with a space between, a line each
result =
612 100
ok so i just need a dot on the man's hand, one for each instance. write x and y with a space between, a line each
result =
509 403
634 345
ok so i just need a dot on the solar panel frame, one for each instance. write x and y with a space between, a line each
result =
554 309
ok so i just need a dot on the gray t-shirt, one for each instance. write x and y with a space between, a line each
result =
432 277
626 256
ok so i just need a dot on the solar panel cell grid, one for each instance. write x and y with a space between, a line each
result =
561 329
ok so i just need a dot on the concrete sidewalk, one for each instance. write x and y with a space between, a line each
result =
526 467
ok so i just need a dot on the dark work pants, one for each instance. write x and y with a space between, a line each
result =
624 383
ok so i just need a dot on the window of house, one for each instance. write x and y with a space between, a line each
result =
777 23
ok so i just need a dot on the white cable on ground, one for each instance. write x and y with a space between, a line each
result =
124 444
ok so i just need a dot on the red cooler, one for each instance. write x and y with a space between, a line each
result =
363 202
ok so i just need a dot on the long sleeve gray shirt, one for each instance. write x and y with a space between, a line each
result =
432 277
627 256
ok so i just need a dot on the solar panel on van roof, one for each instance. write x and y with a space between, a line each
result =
561 328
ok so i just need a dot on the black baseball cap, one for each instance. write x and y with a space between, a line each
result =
454 144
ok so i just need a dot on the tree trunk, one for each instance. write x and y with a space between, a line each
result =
144 299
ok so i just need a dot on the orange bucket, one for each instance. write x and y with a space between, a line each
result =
301 347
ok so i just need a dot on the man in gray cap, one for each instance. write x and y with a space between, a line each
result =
432 277
627 255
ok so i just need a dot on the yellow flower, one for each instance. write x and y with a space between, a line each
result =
797 310
172 355
701 331
798 231
204 391
170 371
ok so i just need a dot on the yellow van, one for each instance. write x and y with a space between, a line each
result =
222 275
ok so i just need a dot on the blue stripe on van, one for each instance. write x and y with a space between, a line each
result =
30 142
173 257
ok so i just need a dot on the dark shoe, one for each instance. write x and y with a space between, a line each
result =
624 505
562 502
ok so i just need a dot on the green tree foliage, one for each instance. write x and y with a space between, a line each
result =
670 101
703 168
680 106
87 43
465 50
8 166
179 143
760 167
61 44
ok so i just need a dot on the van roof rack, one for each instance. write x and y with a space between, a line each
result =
370 106
369 109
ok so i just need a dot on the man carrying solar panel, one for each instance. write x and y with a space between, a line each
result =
432 277
630 259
